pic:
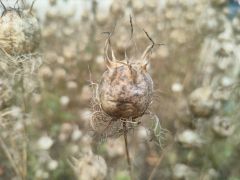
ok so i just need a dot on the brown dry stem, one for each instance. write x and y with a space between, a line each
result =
127 150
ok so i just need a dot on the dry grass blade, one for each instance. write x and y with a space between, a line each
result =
9 156
14 150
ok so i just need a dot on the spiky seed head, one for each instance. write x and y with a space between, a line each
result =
126 89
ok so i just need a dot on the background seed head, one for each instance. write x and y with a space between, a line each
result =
19 32
90 167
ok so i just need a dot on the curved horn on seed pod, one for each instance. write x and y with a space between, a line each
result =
16 5
31 7
113 56
111 63
4 7
145 56
147 52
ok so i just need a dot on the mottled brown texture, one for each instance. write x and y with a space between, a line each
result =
19 32
125 91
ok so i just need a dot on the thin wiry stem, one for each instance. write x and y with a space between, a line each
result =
126 149
25 155
151 177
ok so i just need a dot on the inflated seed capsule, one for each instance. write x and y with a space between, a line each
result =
126 88
19 31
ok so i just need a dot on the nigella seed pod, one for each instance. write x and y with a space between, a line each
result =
201 101
126 88
19 31
125 91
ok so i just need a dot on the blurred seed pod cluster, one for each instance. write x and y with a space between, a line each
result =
19 38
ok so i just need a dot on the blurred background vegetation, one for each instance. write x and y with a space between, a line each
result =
194 132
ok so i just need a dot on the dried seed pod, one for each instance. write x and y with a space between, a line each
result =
182 171
126 89
201 102
117 8
189 138
223 126
90 167
19 31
